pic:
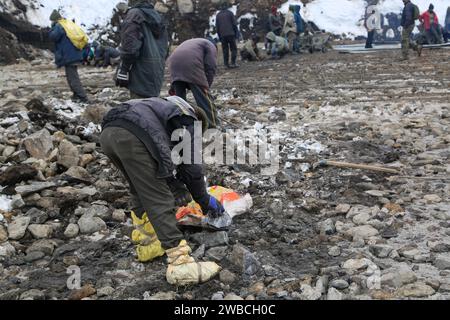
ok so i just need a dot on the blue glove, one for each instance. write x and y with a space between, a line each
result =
211 207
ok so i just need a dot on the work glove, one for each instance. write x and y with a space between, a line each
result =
180 192
123 76
211 207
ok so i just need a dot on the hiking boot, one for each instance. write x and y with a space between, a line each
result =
78 99
234 66
419 50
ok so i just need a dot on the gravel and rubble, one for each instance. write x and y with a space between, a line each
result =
314 233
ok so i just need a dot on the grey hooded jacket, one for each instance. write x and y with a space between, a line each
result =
144 49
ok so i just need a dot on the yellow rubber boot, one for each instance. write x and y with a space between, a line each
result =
183 270
148 245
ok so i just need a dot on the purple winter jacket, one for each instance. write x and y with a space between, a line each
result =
194 61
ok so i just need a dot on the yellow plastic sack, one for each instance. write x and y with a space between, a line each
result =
148 246
144 229
233 203
148 253
180 254
191 273
74 32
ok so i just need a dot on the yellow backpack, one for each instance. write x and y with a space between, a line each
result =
76 35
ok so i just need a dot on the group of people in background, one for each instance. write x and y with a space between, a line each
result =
284 33
282 36
430 30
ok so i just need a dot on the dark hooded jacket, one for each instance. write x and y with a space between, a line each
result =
408 15
144 49
194 61
226 24
65 52
447 21
153 121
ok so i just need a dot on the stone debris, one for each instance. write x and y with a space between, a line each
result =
314 233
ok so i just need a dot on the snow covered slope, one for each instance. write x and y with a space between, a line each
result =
346 16
336 16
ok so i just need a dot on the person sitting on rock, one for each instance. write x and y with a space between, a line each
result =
277 46
193 66
136 137
67 56
250 51
106 56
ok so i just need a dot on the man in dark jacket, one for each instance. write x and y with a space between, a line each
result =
143 52
228 32
67 56
408 24
192 66
137 138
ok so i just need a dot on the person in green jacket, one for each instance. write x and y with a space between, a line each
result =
277 46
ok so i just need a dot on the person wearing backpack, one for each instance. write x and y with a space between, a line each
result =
67 55
410 14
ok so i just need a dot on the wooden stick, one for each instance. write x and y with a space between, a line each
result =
437 178
357 166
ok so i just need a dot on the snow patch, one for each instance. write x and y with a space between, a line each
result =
5 203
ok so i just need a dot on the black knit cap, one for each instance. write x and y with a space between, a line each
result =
55 16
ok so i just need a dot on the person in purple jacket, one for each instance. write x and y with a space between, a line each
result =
192 66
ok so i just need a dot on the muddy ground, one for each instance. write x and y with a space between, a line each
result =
313 233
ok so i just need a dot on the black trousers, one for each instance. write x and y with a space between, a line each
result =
202 97
229 44
446 36
433 35
247 56
148 193
73 79
369 42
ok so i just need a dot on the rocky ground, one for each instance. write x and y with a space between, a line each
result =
313 232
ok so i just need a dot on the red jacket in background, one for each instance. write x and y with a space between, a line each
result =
425 19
